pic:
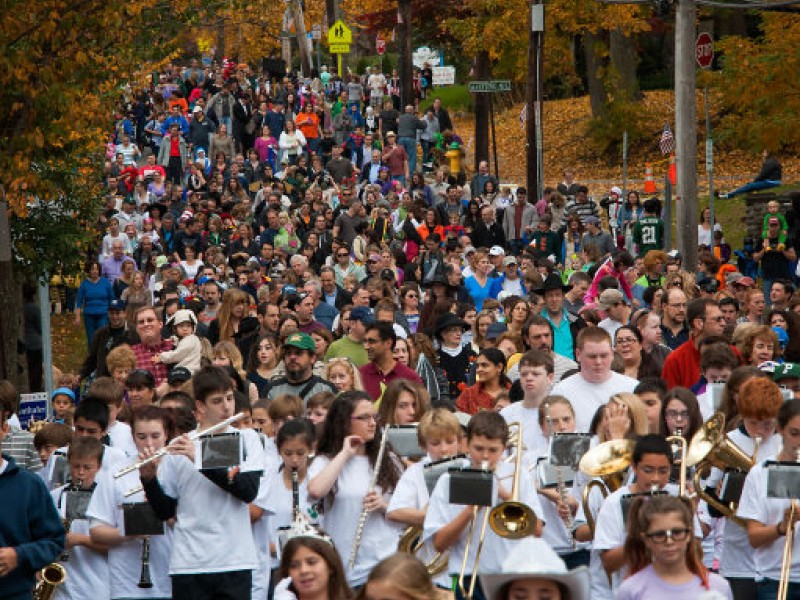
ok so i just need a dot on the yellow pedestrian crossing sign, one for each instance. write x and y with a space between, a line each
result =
339 33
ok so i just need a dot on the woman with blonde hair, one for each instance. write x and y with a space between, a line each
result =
342 373
136 295
480 328
226 354
624 417
233 309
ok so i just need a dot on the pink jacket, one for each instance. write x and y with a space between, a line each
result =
606 269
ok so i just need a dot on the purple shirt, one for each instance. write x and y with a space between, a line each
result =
646 584
113 267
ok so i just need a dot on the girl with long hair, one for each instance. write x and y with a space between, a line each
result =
233 309
400 577
403 403
340 476
342 373
314 570
490 379
263 362
661 555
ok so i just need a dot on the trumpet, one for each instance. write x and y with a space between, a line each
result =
511 519
679 440
194 435
607 461
362 518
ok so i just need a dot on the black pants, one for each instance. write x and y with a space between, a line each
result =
743 588
231 585
175 169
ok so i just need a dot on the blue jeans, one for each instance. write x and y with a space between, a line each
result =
768 590
91 323
754 186
410 145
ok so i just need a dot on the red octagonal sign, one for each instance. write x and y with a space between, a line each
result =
704 50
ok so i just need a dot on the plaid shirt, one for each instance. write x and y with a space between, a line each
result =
144 359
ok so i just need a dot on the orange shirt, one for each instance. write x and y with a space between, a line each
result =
308 123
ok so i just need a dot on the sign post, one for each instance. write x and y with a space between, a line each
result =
380 45
339 39
491 87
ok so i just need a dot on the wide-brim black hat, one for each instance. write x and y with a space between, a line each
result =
448 320
552 282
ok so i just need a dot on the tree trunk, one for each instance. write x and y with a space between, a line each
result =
405 45
625 61
598 98
306 62
10 306
481 73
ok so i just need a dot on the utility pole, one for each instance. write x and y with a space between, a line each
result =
533 97
405 47
686 130
303 43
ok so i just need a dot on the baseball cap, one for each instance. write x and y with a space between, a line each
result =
363 314
745 281
387 274
610 298
497 251
786 371
495 330
178 375
469 250
391 134
117 305
197 109
509 260
592 220
302 341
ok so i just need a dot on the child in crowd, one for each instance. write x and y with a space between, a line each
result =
62 401
120 362
84 559
188 348
141 388
295 443
536 372
119 433
774 213
447 524
440 434
454 228
318 406
51 437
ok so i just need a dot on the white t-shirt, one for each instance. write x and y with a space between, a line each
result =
610 325
610 531
601 588
532 435
755 505
647 584
212 533
262 539
87 570
412 492
587 397
380 536
495 548
113 460
738 556
122 439
125 560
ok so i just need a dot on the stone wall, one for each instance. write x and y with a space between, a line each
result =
756 208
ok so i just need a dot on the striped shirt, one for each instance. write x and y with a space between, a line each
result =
582 209
19 446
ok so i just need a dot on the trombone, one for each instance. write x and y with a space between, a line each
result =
788 548
680 441
511 519
607 462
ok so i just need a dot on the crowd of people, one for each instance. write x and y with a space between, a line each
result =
293 266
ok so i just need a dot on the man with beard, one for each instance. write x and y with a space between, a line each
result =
211 296
298 356
270 316
303 306
538 335
116 333
674 330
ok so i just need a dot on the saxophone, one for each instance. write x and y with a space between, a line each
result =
52 576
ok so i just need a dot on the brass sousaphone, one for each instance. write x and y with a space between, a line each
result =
606 462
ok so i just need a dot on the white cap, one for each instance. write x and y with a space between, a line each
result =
497 251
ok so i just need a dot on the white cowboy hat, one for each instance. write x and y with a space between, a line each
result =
534 559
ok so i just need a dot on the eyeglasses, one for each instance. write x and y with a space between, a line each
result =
676 535
683 415
626 341
342 255
412 296
366 418
677 305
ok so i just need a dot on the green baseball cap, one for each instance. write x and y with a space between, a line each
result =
786 371
303 341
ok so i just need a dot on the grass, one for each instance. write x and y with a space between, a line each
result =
454 98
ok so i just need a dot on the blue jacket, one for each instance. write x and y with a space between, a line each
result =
326 314
30 524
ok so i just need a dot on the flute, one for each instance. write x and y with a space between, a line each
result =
362 519
194 435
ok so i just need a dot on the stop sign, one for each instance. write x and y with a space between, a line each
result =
380 45
704 50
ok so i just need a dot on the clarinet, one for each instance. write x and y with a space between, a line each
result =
144 577
68 522
295 495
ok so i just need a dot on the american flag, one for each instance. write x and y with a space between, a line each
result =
667 141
